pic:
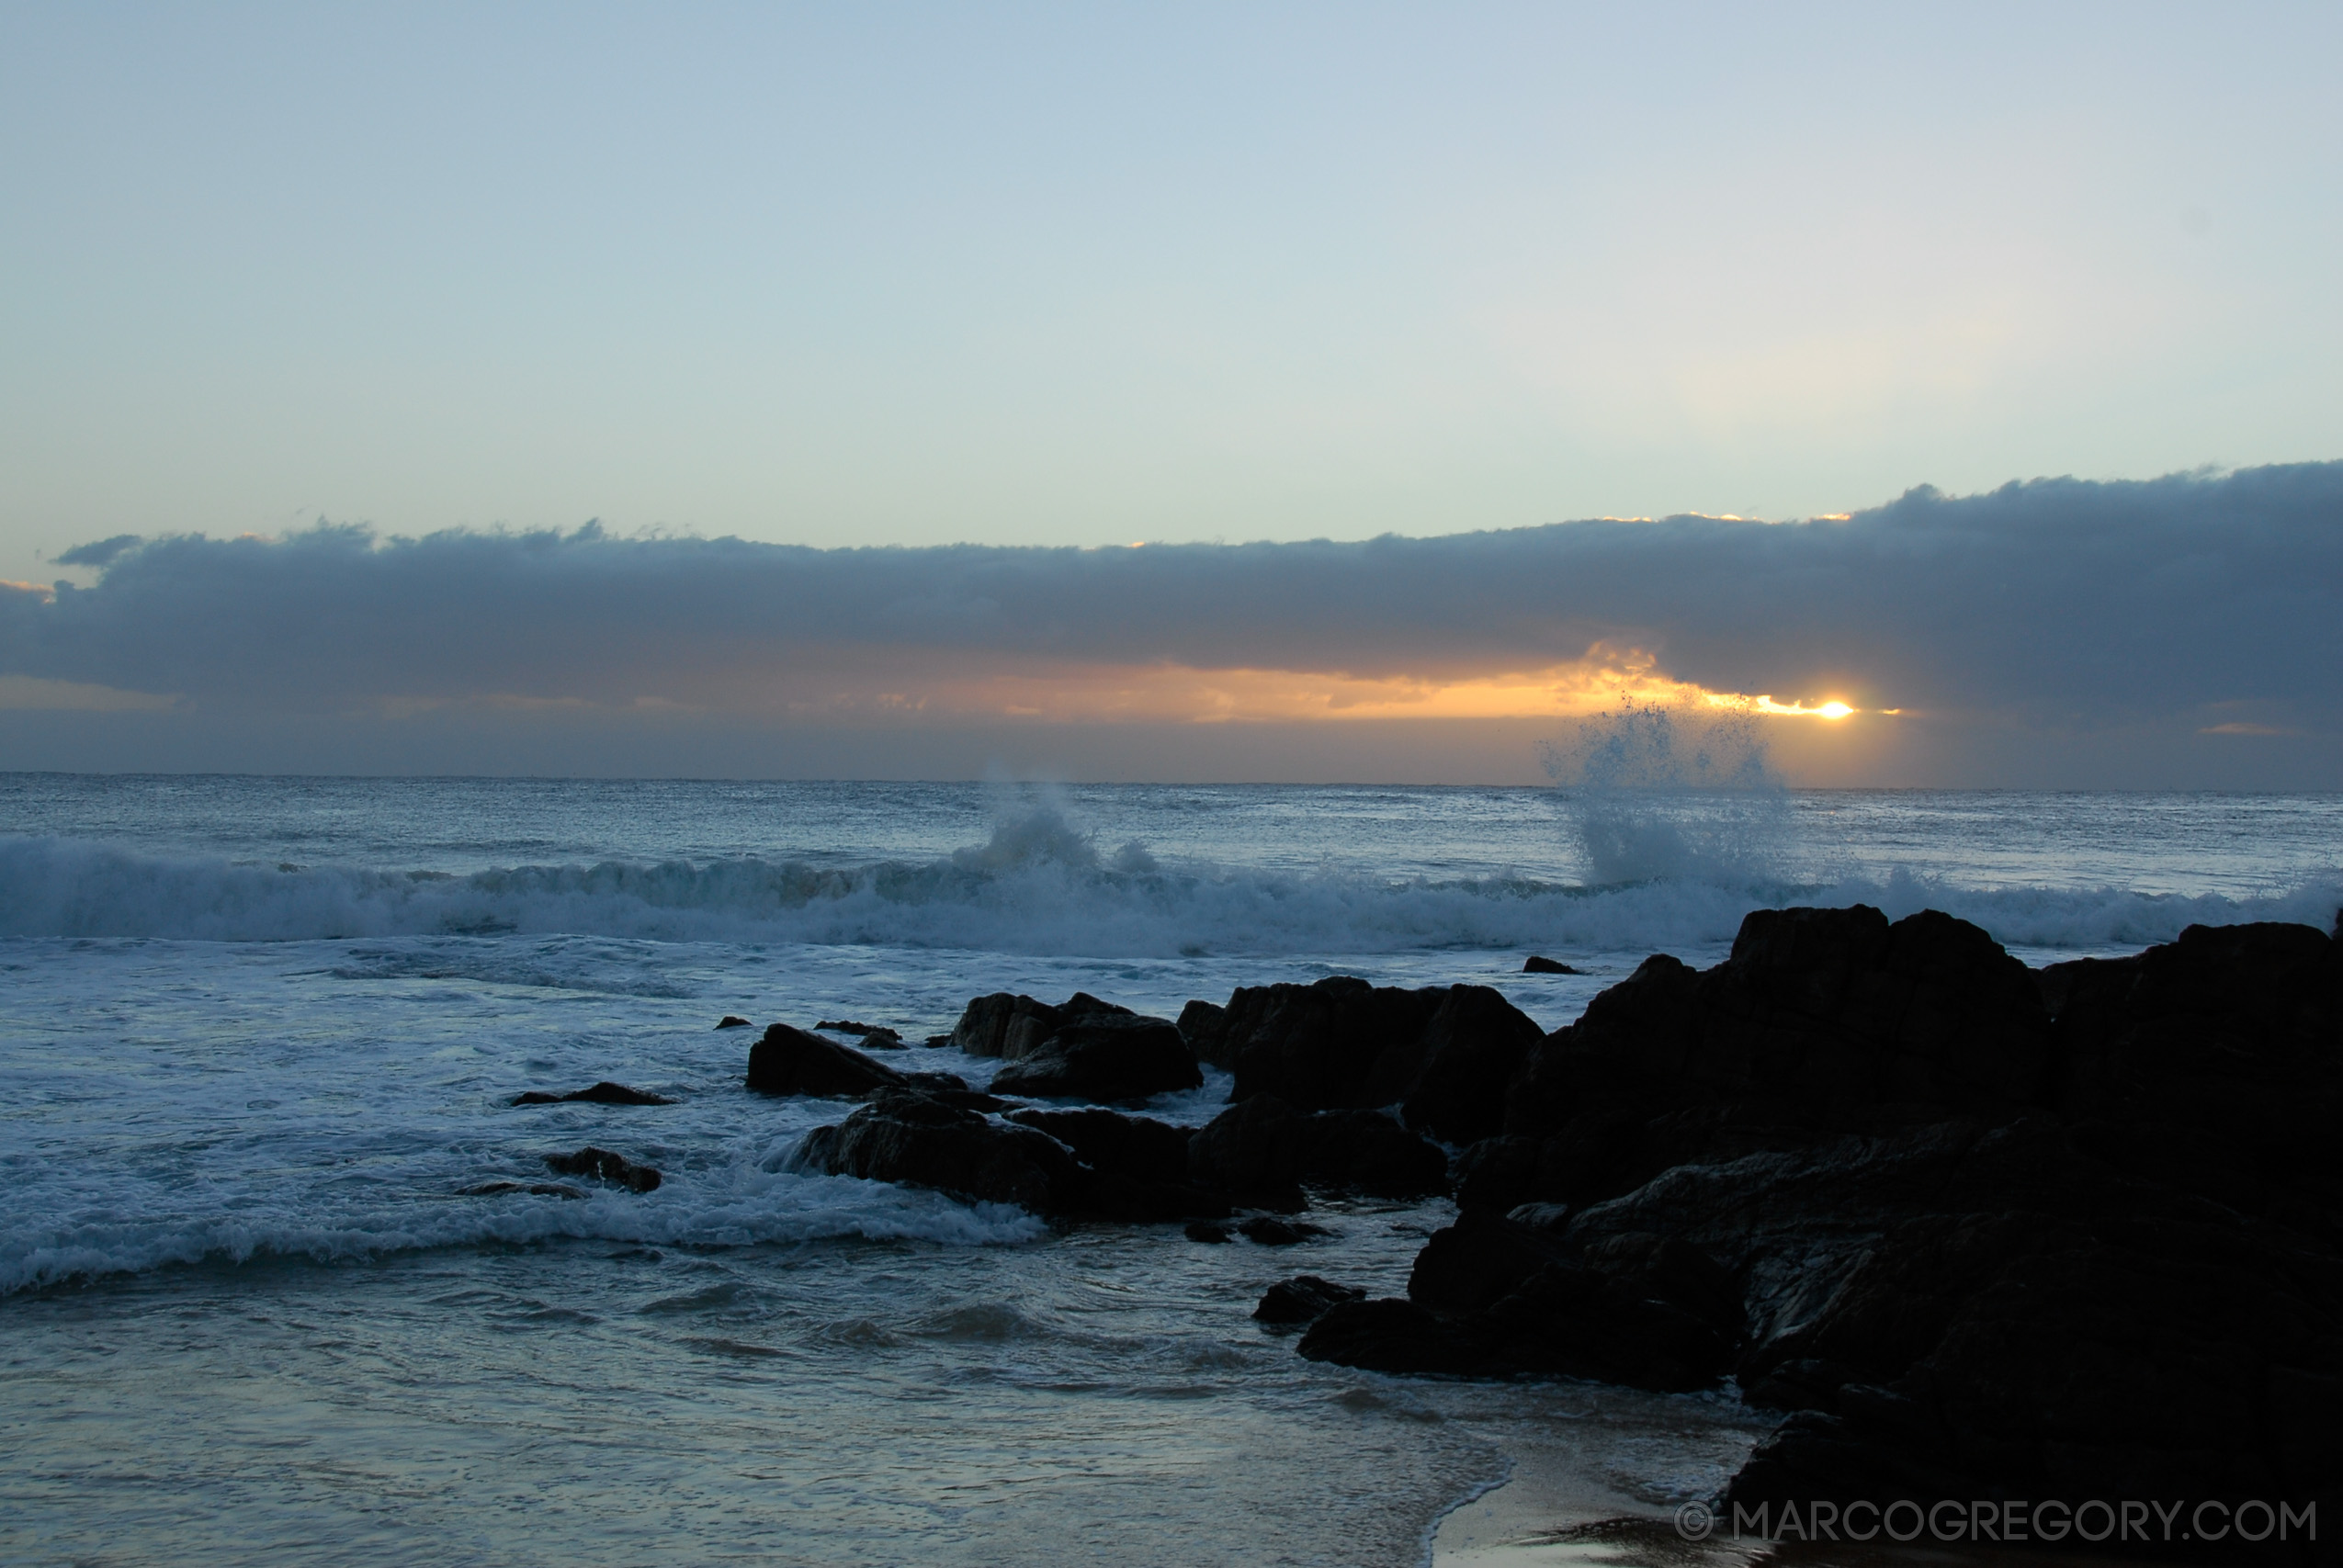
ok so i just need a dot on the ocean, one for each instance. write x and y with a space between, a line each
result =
259 1035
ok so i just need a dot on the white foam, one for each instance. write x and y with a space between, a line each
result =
1042 906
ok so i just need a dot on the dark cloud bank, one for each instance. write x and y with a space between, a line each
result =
2181 630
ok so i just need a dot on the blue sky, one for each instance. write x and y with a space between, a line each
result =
1085 275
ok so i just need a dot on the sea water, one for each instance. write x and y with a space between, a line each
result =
258 1036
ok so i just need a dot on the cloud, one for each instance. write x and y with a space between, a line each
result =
2059 604
101 552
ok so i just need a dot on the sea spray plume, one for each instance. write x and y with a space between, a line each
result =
1660 793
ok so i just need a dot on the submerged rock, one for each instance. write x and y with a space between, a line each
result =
604 1166
732 1020
875 1036
603 1093
1304 1298
533 1189
1542 965
1265 1230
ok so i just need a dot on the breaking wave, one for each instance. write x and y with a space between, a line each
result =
1666 880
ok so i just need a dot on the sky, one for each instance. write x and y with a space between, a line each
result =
781 391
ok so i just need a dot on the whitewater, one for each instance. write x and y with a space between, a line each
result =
258 1037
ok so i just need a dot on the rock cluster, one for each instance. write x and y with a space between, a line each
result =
1977 1231
1091 1162
1983 1233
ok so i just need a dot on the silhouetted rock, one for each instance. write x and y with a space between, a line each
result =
604 1166
1104 1055
1265 1230
1470 1049
1261 1151
1303 1299
902 1136
1139 1166
1366 1151
1107 1141
1444 1053
1386 1336
1338 1042
1538 965
791 1062
1206 1029
1983 1233
1252 1152
603 1093
1497 1173
1209 1234
732 1020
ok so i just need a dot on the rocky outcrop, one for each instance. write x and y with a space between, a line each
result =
604 1166
1206 1029
1980 1232
1493 1297
1261 1153
1442 1055
1104 1056
732 1020
1138 1165
1538 965
603 1093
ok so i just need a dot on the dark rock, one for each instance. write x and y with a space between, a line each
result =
535 1188
1206 1029
1011 1026
603 1093
1497 1173
1002 1024
1137 1146
1366 1151
1261 1151
1386 1336
732 1020
1101 1056
1264 1230
1342 1044
903 1135
1337 1043
790 1061
1304 1298
604 1166
1983 1233
1252 1152
1208 1234
1139 1164
1470 1049
1537 966
1513 1299
876 1037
